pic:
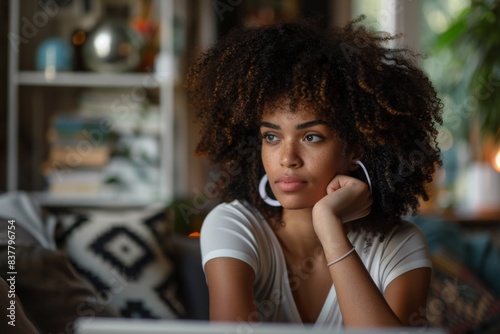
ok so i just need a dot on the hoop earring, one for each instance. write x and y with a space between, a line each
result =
263 194
366 174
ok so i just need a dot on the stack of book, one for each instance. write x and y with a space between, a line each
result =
108 146
126 111
79 150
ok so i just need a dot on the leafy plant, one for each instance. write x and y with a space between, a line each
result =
474 37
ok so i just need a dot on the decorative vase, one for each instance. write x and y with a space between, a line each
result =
112 46
54 53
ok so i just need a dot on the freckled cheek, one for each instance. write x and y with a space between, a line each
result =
323 169
267 160
322 177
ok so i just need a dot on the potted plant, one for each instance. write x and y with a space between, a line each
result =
474 39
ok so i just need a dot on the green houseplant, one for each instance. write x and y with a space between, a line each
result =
472 42
474 37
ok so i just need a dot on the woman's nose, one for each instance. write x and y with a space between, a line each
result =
290 155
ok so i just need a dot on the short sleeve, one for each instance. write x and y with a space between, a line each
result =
405 250
228 232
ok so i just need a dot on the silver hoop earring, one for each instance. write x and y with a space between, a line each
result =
366 174
263 194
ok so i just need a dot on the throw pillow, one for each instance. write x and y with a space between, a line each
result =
52 294
458 300
120 253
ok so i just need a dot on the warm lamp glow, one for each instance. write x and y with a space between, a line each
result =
194 235
496 161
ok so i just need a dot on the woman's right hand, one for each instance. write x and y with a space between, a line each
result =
347 199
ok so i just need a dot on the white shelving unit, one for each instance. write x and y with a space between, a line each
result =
83 79
164 84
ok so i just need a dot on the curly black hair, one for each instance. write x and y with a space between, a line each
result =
373 96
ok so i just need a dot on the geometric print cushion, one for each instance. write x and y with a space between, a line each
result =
120 253
458 300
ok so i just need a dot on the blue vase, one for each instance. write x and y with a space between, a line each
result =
54 53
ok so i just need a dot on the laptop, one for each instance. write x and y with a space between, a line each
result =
146 326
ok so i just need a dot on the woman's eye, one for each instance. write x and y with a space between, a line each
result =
313 138
270 138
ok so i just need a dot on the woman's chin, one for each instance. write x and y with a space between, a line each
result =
296 205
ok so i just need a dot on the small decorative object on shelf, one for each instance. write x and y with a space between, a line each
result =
113 45
54 54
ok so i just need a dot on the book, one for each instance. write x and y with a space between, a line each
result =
77 156
75 181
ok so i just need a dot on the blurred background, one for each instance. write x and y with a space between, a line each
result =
96 127
96 113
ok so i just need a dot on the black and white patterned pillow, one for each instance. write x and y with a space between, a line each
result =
120 254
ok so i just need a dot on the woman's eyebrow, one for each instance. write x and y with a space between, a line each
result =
298 126
310 124
270 125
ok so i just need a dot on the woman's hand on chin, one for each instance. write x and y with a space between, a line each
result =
347 199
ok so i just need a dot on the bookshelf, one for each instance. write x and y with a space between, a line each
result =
80 79
42 98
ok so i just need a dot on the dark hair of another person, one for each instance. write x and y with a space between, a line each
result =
373 97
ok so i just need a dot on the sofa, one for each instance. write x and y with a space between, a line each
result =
464 292
62 260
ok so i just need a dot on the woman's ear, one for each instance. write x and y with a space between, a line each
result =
355 154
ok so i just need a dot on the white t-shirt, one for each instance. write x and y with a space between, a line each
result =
239 231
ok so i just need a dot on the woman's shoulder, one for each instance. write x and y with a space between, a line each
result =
402 233
405 229
235 208
235 230
405 235
233 214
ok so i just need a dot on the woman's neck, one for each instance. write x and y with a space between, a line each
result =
296 235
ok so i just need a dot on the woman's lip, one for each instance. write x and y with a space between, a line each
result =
289 179
289 183
290 186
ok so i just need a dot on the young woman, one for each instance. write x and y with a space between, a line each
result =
324 140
